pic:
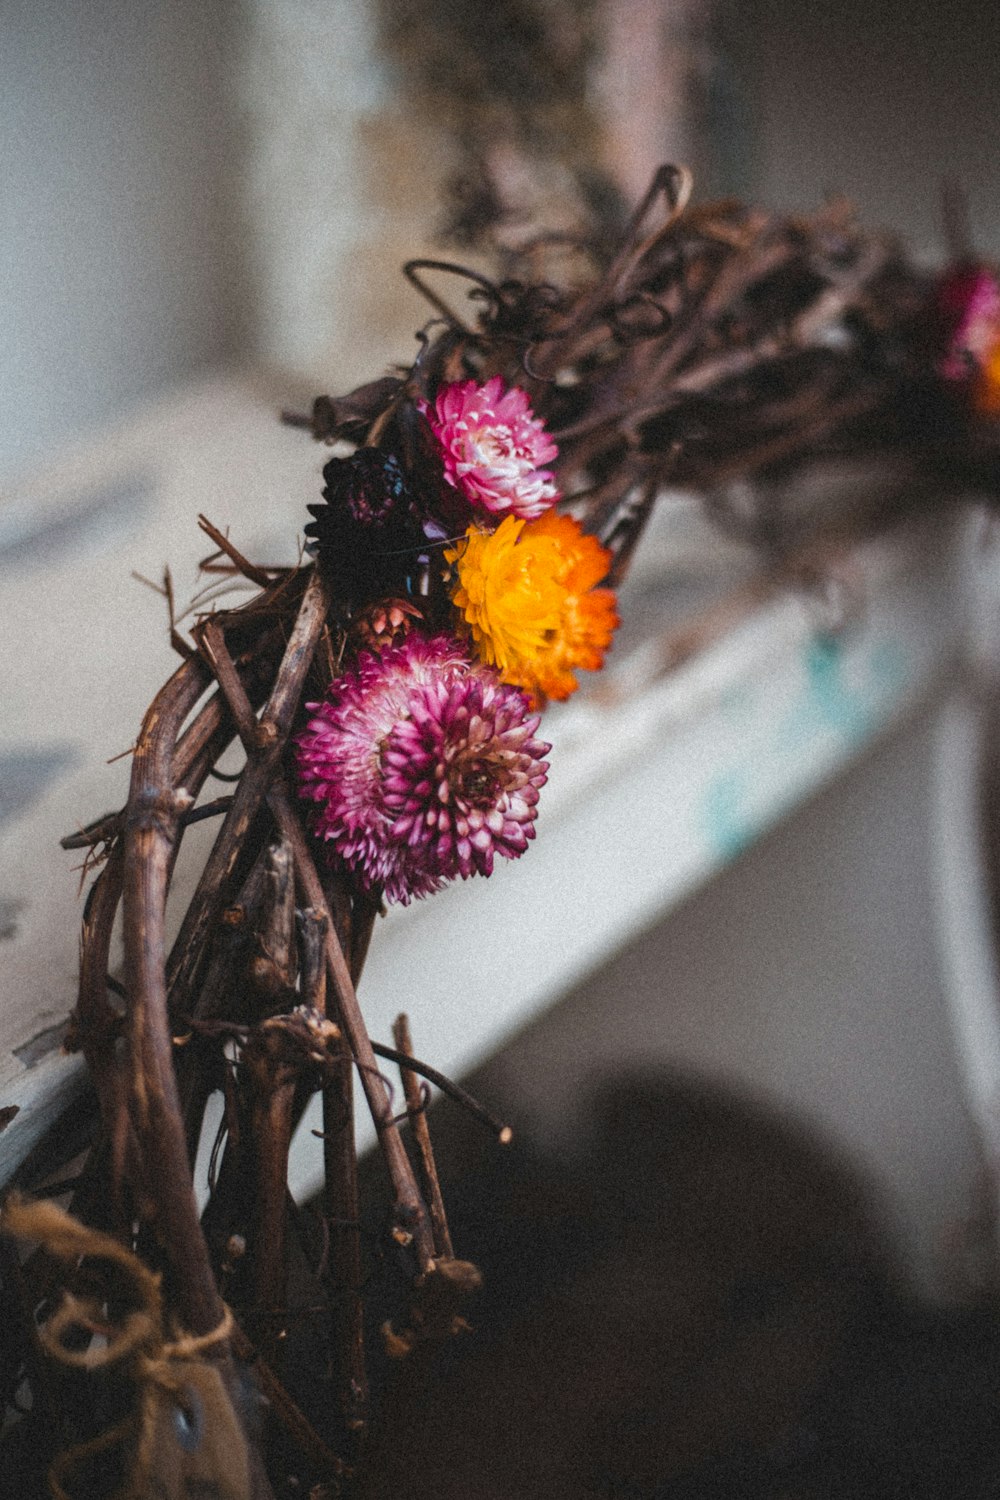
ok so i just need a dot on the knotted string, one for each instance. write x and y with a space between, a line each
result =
138 1344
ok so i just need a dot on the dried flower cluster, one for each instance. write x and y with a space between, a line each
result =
503 482
968 308
493 448
529 595
422 762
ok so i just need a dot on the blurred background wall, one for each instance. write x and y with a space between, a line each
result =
189 183
119 267
878 99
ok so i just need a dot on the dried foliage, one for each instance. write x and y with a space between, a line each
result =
508 83
487 66
708 343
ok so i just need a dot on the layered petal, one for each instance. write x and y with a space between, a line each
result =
493 447
527 593
422 766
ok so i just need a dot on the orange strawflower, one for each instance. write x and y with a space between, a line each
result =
986 385
528 595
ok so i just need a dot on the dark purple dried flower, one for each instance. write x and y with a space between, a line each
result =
367 536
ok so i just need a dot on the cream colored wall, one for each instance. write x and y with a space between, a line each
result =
116 265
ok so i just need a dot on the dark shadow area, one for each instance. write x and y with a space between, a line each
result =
699 1304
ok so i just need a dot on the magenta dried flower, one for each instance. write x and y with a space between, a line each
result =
423 766
493 446
967 304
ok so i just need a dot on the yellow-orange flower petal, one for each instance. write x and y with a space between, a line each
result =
527 594
986 387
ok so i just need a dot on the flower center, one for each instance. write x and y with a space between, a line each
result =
473 780
496 446
476 785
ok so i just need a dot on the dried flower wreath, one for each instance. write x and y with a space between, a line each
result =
480 512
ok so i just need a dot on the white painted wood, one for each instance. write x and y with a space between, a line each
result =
650 799
86 647
657 781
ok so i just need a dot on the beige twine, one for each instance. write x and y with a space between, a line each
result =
156 1364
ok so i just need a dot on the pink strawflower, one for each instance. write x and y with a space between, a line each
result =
423 765
492 448
968 308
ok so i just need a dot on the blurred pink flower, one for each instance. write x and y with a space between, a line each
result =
493 446
423 766
968 306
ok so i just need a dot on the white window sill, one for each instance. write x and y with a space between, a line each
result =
657 781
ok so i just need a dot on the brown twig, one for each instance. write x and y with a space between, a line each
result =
410 1207
96 1025
272 1077
342 1207
416 1110
341 1198
411 1211
264 741
247 568
448 1086
272 969
151 834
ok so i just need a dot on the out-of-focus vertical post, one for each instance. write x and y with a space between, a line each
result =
651 86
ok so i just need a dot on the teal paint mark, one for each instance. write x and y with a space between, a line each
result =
729 828
829 703
837 706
